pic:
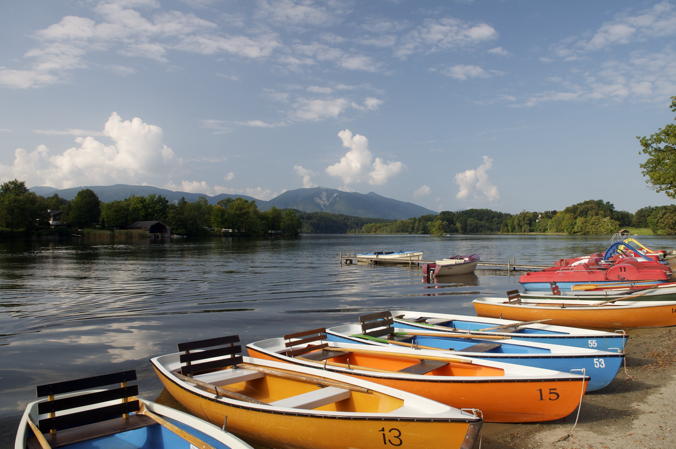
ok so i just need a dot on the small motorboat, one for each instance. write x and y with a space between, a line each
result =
391 257
539 331
378 329
82 414
282 405
605 314
457 381
451 266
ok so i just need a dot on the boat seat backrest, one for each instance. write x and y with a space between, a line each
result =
377 324
303 342
513 296
203 356
60 408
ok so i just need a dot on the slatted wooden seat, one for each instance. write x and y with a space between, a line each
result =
513 296
309 344
379 324
424 367
214 361
481 347
314 399
64 426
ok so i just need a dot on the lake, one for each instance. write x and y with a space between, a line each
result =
70 310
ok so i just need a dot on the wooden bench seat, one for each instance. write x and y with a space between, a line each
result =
314 399
481 347
322 355
228 376
424 367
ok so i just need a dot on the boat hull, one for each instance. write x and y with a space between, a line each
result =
601 366
538 333
520 400
294 429
442 269
630 314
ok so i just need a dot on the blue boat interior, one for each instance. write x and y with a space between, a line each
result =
149 437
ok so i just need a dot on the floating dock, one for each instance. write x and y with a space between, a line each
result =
351 259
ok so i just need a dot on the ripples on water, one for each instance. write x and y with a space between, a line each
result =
69 311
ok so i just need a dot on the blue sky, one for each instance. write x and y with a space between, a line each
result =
509 105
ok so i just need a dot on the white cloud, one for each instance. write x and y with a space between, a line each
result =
640 76
475 182
498 51
128 28
305 174
465 72
310 54
229 176
423 190
631 26
358 163
383 171
314 109
444 33
217 126
67 132
289 12
137 154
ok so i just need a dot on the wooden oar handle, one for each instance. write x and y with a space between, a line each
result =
44 444
192 439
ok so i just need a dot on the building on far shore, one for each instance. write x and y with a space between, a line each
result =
155 229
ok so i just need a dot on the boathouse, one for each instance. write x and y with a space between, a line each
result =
155 229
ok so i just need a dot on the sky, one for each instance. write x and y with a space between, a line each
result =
510 105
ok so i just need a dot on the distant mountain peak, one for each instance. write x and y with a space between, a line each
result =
314 199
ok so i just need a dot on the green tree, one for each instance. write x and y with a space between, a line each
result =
21 209
85 209
660 167
663 220
290 223
115 214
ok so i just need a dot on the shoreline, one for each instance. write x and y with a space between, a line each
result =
636 410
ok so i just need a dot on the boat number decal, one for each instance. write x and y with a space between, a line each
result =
391 436
593 344
552 394
599 363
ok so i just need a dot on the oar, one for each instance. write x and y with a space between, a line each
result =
513 325
624 298
454 335
309 378
405 354
44 444
585 287
192 439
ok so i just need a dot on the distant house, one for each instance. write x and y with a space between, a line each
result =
156 229
55 217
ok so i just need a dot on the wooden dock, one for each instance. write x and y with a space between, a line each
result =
351 259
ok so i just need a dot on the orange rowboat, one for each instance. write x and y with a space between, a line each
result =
503 392
610 314
287 406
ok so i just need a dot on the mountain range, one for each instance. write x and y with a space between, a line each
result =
316 199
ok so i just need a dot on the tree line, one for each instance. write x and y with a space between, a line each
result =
591 217
24 211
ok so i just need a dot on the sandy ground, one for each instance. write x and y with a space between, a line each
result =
636 411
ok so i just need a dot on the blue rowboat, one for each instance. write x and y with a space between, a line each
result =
538 332
112 418
377 329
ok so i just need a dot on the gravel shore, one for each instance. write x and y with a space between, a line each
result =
637 410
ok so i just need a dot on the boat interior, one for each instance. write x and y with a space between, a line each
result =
217 366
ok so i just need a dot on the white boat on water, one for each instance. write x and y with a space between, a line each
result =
390 257
451 266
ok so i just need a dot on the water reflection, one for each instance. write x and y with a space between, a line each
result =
68 311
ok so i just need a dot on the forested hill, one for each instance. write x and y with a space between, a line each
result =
316 199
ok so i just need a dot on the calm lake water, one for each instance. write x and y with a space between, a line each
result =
69 311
